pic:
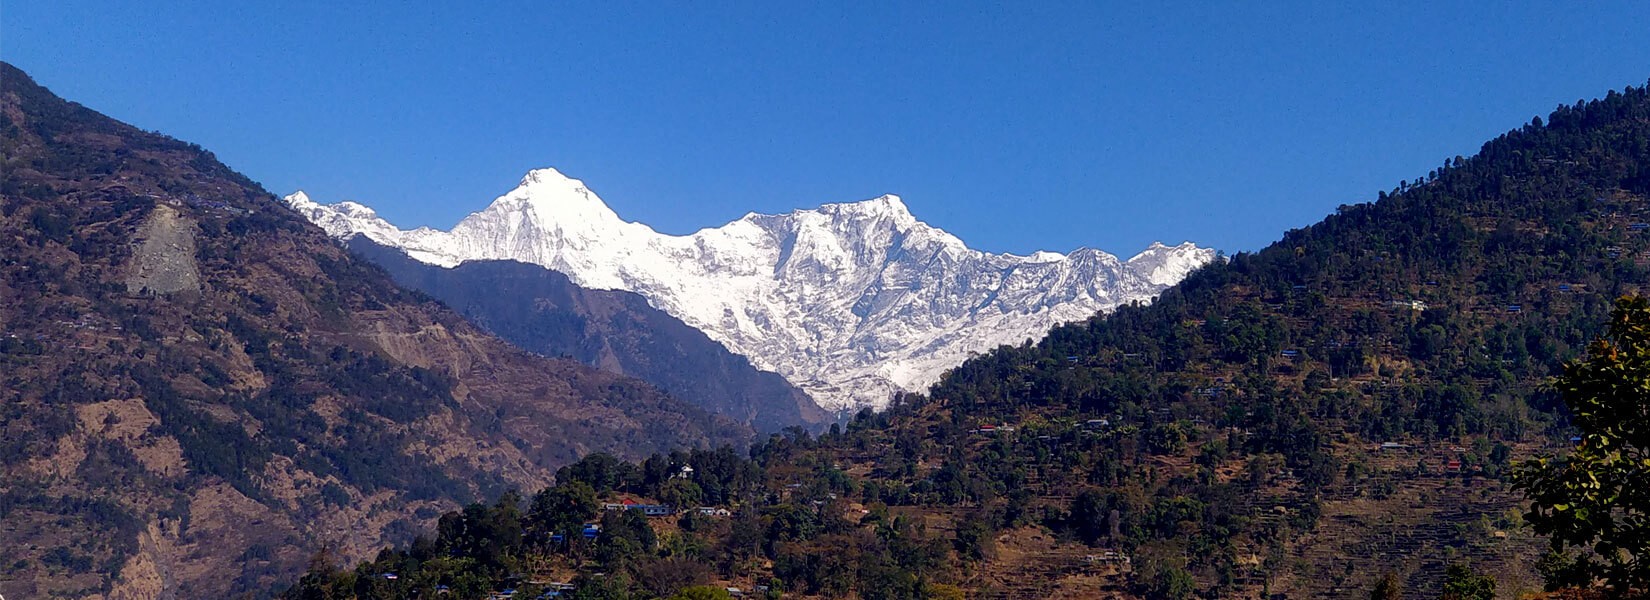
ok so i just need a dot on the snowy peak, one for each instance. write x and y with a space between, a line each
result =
551 176
554 199
850 301
1044 256
1167 265
300 200
864 224
343 219
887 206
887 210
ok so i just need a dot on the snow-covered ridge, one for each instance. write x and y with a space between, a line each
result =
849 301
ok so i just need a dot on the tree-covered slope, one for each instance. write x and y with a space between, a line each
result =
543 311
200 388
1334 411
1429 318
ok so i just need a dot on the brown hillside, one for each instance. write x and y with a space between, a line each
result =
200 389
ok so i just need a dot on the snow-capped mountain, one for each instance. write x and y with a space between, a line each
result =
850 302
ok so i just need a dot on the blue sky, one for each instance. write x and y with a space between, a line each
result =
1036 125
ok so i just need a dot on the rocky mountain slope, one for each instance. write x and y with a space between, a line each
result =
851 302
200 388
544 312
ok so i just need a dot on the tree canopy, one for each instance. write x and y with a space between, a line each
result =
1593 503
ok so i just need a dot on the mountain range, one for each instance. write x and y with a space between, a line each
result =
850 302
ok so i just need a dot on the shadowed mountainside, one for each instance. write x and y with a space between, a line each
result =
543 311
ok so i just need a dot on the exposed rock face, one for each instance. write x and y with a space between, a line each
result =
164 262
851 302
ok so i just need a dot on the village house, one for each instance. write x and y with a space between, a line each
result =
651 510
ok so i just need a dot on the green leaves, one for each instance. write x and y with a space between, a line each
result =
1591 502
1461 583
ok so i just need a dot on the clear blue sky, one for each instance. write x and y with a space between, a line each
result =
1035 126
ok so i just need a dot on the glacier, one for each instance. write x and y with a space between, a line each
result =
851 302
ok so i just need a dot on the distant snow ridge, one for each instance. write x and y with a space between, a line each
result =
851 302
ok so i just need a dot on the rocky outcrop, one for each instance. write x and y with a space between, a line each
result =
164 261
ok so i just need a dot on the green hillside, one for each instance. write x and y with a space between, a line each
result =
1428 319
1301 421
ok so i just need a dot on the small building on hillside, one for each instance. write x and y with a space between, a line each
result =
1108 556
651 510
656 510
1409 304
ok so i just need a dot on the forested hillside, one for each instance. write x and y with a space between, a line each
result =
545 312
1331 414
200 389
1427 321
